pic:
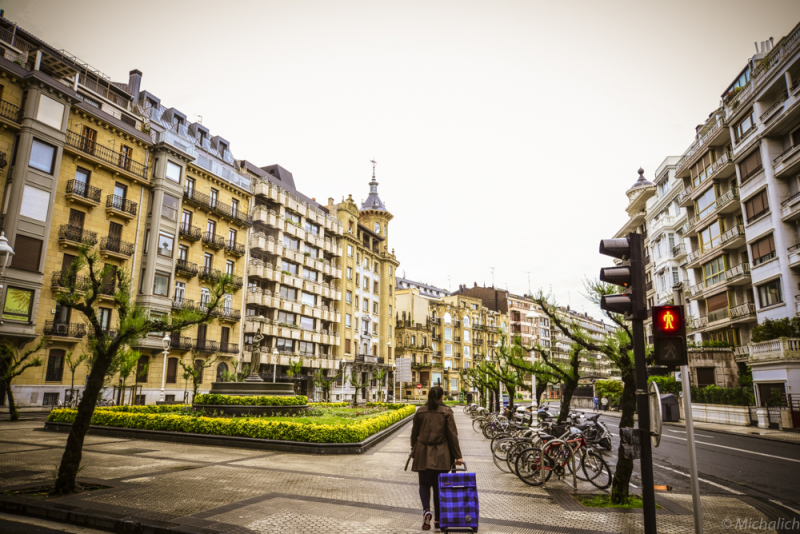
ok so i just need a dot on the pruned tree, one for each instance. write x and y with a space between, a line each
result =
323 381
510 376
194 370
379 375
133 323
15 361
357 384
619 349
293 372
128 361
73 364
233 376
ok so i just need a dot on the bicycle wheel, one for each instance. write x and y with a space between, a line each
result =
500 453
477 424
596 470
530 469
580 453
515 450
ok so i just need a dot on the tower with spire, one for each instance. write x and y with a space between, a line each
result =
374 214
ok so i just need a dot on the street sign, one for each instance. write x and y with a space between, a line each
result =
669 336
654 397
419 387
403 369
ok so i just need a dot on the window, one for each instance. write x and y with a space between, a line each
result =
705 376
714 271
165 244
35 203
366 305
375 286
374 329
375 308
704 205
18 305
309 299
312 251
50 399
750 166
448 334
466 352
366 284
357 301
43 156
50 112
289 267
709 237
189 185
347 346
466 336
348 320
307 322
434 346
308 274
756 206
312 228
104 318
390 310
174 173
205 296
350 250
211 227
28 253
287 318
448 349
348 296
466 321
293 217
142 366
169 207
288 293
700 171
770 293
55 365
125 153
447 318
357 280
161 284
744 126
349 273
208 261
763 250
291 243
213 197
172 370
305 348
284 345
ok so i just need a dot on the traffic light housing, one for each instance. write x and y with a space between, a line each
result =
631 303
669 336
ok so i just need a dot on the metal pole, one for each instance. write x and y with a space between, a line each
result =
643 411
164 377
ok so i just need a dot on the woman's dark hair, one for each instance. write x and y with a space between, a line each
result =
434 397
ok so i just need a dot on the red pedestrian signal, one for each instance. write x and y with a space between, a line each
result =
669 336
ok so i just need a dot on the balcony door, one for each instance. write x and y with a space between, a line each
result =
89 141
120 191
201 336
223 340
125 154
211 227
180 291
114 236
110 282
186 220
77 219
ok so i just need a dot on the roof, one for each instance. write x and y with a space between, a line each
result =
280 176
403 283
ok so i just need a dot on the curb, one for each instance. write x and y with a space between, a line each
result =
237 441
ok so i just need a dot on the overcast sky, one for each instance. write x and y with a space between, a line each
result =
506 132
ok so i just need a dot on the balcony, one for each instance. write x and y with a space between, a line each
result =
234 248
61 282
728 201
98 153
794 256
790 208
181 344
121 207
726 316
368 358
733 238
209 274
186 268
83 193
228 314
734 276
116 248
10 112
75 236
775 350
196 198
679 251
189 232
788 162
228 348
648 286
107 290
662 224
741 353
69 332
213 240
206 345
182 304
694 149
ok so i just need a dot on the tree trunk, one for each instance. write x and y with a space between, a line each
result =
71 460
566 400
511 393
12 407
496 394
622 475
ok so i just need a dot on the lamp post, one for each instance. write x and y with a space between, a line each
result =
275 355
255 354
5 250
534 405
394 383
388 351
343 365
164 343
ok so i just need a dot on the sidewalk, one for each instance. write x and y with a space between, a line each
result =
171 487
788 436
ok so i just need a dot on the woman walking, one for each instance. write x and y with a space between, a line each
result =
434 446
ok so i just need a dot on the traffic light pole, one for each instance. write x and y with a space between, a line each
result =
643 411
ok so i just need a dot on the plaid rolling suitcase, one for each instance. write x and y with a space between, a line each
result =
458 500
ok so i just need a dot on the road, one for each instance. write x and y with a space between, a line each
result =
728 464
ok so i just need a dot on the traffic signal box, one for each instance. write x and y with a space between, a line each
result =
631 302
669 336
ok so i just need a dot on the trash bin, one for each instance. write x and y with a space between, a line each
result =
670 409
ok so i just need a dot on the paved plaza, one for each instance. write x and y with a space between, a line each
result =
201 489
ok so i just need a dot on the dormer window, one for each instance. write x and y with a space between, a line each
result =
223 147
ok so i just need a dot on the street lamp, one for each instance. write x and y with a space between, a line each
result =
164 343
389 350
275 355
534 406
5 250
343 364
394 384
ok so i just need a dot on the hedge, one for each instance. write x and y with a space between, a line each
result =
261 400
329 404
251 428
724 396
390 405
149 408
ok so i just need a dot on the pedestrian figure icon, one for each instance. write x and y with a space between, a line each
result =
669 321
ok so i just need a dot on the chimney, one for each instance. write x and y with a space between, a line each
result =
135 83
314 199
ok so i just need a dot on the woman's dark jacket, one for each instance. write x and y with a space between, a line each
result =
434 439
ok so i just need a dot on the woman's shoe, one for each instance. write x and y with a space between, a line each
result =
426 520
436 527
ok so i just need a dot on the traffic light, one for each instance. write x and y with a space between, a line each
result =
669 336
630 276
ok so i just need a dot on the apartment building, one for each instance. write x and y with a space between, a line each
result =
293 276
443 335
367 286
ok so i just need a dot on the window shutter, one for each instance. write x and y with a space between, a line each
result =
717 302
172 371
27 254
55 365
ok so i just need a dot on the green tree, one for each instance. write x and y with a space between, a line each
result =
133 322
666 384
128 361
379 375
73 364
773 329
233 376
609 388
194 370
519 359
294 371
323 381
13 362
358 383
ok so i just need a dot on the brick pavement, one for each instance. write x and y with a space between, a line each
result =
217 489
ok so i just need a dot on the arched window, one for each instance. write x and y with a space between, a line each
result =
466 321
222 368
447 318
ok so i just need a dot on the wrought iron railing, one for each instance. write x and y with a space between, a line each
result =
213 240
114 244
121 204
228 348
182 304
77 234
84 190
184 266
90 146
228 313
234 247
62 279
181 343
679 250
58 328
209 273
190 232
197 197
10 111
206 345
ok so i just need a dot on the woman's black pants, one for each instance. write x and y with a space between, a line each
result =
427 479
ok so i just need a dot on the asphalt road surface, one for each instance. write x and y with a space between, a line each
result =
727 464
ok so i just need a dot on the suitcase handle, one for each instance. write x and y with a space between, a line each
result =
455 467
